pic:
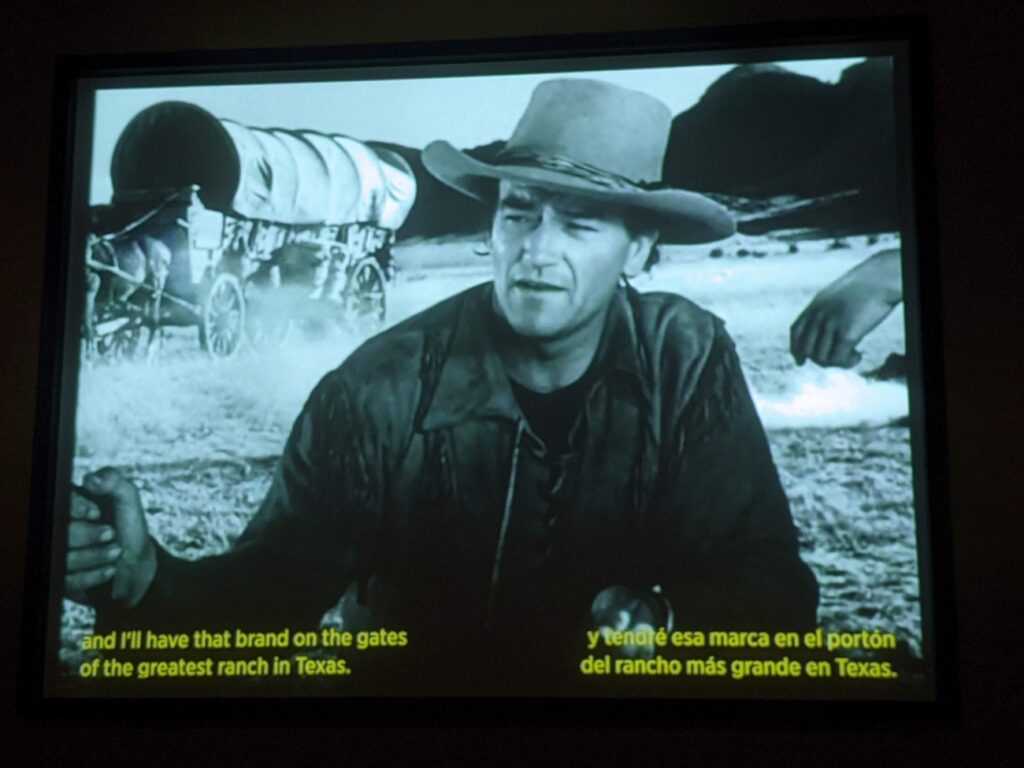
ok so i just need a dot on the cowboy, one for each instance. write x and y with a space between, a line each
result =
537 454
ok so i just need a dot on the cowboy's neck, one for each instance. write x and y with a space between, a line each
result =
547 364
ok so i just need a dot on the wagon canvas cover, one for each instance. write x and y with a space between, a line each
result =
294 177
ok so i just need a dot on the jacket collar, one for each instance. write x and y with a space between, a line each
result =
473 384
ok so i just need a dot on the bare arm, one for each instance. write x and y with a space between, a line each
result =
846 310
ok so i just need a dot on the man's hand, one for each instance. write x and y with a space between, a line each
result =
845 311
619 609
108 542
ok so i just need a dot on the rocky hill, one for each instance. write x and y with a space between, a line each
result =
765 133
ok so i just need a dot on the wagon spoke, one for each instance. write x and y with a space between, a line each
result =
224 316
365 306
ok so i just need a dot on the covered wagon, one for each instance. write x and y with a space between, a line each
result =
239 230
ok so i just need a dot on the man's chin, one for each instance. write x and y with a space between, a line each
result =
538 328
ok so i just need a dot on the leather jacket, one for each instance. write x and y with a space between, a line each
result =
412 473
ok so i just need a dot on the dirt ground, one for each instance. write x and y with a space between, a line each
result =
201 438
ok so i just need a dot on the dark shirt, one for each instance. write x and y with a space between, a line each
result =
551 415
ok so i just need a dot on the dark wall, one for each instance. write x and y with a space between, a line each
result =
976 78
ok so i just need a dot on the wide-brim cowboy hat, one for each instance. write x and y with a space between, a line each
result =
597 140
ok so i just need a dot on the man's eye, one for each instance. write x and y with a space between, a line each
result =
579 226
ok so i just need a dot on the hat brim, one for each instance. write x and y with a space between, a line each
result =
684 217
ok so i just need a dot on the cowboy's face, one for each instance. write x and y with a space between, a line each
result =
558 259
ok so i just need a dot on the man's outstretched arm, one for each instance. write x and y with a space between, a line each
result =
290 564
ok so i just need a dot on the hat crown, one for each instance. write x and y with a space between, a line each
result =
602 125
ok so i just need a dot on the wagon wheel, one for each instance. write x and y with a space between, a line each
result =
223 321
365 301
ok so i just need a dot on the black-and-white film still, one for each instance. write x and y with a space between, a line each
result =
483 364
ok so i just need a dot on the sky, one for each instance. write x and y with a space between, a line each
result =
467 111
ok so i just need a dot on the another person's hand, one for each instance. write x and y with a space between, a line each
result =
110 556
845 311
